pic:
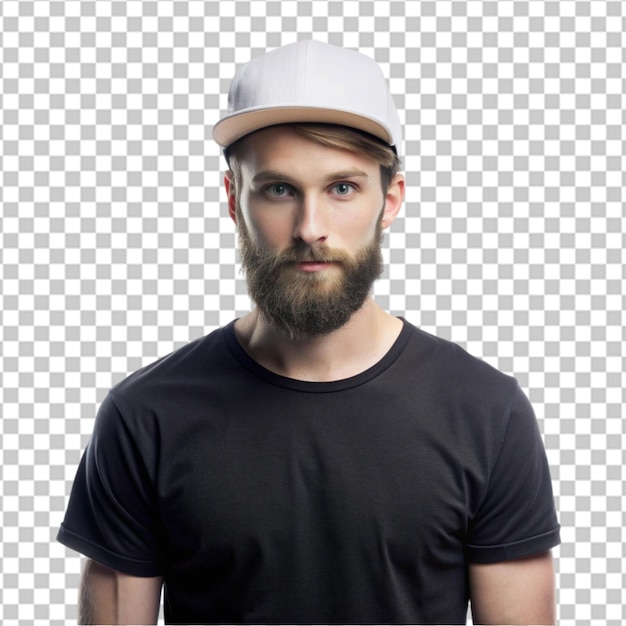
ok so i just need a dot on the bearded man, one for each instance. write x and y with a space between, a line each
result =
318 460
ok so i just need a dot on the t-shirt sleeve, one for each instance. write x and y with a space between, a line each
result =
112 516
517 516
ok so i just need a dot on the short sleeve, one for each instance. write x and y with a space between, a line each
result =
517 516
112 516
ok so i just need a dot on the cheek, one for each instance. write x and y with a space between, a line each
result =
358 222
358 227
265 228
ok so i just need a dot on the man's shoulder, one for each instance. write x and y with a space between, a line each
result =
448 363
450 353
190 362
466 393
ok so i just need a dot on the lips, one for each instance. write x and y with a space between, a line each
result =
313 266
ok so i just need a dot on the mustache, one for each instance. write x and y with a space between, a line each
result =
314 254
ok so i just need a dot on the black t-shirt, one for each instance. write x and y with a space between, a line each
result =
263 499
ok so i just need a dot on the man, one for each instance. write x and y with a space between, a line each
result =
317 460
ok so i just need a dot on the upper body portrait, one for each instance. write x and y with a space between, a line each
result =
317 460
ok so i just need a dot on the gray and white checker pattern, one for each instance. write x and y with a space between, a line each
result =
116 247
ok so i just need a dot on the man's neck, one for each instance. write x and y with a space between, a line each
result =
346 352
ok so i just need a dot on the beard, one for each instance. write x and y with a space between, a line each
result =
302 305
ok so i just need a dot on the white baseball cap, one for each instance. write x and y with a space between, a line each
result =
310 81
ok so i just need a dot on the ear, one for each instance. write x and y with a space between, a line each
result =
393 200
229 185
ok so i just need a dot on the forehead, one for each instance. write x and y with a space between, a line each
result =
283 149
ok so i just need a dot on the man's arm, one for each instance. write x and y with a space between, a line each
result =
520 591
107 596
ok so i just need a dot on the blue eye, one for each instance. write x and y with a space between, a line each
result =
343 189
278 189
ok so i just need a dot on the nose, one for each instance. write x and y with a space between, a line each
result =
311 221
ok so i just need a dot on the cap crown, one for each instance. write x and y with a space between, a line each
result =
310 81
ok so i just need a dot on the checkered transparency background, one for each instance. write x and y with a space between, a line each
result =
116 245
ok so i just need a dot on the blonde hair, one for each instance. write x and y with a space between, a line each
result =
333 136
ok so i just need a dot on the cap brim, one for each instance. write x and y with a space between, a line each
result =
237 125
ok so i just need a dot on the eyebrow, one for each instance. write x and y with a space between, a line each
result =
275 175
